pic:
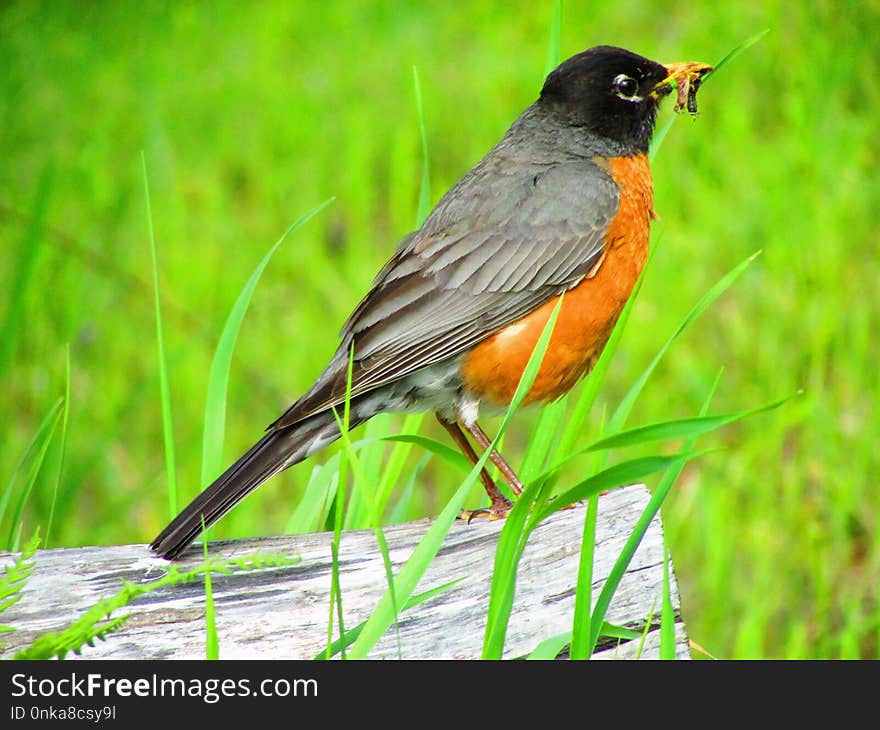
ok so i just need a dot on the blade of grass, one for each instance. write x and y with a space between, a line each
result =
681 427
625 472
396 462
508 552
527 513
221 364
613 631
162 362
412 571
659 136
425 189
584 591
409 575
512 539
540 443
574 427
374 518
550 648
311 509
744 46
649 624
667 614
623 560
339 510
38 446
623 410
555 645
667 431
375 473
352 635
401 509
212 642
438 448
63 443
554 45
583 597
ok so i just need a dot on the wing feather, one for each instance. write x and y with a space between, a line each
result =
461 278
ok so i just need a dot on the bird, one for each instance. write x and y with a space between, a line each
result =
561 206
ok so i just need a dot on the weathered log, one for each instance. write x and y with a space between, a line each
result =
282 613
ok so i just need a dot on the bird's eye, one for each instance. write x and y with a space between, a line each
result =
626 87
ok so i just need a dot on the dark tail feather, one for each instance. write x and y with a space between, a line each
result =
271 454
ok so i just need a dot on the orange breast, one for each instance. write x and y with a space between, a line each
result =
492 370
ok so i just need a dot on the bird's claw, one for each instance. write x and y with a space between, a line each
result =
496 511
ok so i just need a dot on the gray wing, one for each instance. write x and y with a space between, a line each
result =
495 248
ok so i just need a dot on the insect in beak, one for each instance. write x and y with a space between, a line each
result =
687 77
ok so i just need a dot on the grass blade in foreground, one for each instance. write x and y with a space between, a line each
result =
667 431
623 410
164 388
635 539
396 463
555 645
412 571
38 446
311 510
438 448
372 499
221 363
409 575
580 632
351 636
212 642
516 532
667 613
575 426
513 540
339 511
507 552
744 46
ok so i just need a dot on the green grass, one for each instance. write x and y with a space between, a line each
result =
162 363
99 620
249 113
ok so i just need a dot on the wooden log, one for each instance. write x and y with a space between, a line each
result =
282 613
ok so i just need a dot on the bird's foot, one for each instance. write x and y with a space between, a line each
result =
496 511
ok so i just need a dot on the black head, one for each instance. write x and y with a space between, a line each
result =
611 92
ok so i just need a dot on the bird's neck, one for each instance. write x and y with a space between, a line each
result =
561 137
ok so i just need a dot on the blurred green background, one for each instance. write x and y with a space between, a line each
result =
249 114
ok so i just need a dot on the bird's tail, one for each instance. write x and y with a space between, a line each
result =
276 451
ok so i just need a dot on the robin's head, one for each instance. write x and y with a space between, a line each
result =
613 93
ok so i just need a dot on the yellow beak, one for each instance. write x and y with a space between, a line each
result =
687 77
689 70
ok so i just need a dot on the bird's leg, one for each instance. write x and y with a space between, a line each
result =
500 503
506 470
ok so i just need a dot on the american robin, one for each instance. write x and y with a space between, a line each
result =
562 204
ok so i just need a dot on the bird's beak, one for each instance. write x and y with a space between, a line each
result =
686 72
686 77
